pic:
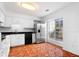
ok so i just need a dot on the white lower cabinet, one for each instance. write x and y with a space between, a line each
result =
5 47
17 39
33 38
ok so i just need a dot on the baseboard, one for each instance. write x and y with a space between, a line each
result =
69 54
55 42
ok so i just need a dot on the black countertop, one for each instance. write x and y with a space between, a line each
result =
16 32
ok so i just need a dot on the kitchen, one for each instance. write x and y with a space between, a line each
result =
33 29
20 28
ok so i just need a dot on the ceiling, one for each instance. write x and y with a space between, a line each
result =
45 8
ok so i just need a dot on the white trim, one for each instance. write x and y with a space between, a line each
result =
55 42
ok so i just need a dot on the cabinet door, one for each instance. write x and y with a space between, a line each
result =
2 17
20 39
12 40
5 47
33 38
17 39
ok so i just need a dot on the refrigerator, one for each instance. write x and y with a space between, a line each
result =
38 32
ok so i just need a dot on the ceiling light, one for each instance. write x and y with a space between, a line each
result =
29 6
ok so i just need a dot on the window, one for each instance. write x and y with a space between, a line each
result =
55 29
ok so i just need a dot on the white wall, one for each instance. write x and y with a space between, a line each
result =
70 14
43 26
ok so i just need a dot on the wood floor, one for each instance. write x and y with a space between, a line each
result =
39 50
68 54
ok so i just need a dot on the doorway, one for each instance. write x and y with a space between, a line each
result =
55 30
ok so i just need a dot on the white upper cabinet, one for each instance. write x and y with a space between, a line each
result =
2 16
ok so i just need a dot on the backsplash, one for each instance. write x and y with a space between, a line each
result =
18 30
